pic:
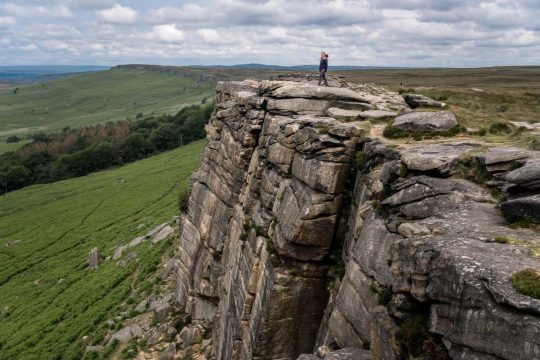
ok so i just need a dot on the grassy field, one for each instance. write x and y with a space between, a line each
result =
507 94
93 98
48 299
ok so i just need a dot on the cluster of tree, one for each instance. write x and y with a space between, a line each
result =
77 152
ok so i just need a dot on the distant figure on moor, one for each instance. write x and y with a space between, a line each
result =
323 68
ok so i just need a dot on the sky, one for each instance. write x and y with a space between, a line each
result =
418 33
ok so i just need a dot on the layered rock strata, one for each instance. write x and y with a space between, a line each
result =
303 231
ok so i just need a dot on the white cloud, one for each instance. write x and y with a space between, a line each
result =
119 14
355 32
6 22
93 4
36 12
166 33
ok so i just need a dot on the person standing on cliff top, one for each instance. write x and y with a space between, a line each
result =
323 68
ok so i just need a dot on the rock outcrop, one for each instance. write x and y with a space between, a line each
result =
304 231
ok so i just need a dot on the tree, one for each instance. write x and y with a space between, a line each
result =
16 177
139 116
164 137
136 147
13 139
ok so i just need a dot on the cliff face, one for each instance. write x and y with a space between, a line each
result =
305 230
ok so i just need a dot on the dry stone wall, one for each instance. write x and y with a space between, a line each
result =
305 232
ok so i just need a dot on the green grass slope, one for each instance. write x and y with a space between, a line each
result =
93 98
48 299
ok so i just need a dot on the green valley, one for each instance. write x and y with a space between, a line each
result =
112 95
51 305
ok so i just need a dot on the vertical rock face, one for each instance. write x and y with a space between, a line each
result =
262 216
423 277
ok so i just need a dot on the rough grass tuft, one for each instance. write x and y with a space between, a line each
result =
395 133
527 282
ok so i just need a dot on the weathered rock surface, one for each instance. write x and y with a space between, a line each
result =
416 247
127 333
94 259
527 176
501 158
378 115
441 158
426 121
418 100
526 207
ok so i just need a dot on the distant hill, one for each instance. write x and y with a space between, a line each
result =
27 74
308 67
96 97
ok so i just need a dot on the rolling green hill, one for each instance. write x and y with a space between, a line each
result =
96 97
48 299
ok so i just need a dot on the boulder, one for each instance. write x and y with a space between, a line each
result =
118 252
308 357
527 207
154 231
417 100
348 354
169 353
378 115
137 241
94 348
94 259
160 309
288 89
162 234
527 176
440 158
190 335
127 333
500 158
343 114
411 229
426 121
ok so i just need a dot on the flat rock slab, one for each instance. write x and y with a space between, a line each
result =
504 154
162 234
426 121
378 115
441 158
349 354
417 100
343 114
527 176
127 333
527 207
289 89
526 125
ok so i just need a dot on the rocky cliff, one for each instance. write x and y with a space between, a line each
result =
308 232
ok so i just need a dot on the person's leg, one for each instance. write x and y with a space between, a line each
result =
324 78
321 74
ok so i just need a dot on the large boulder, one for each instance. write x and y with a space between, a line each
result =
439 158
378 115
527 207
527 176
417 100
426 121
127 333
94 258
501 158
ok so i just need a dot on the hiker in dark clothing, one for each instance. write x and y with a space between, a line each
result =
323 68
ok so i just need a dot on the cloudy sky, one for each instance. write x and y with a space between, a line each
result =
285 32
